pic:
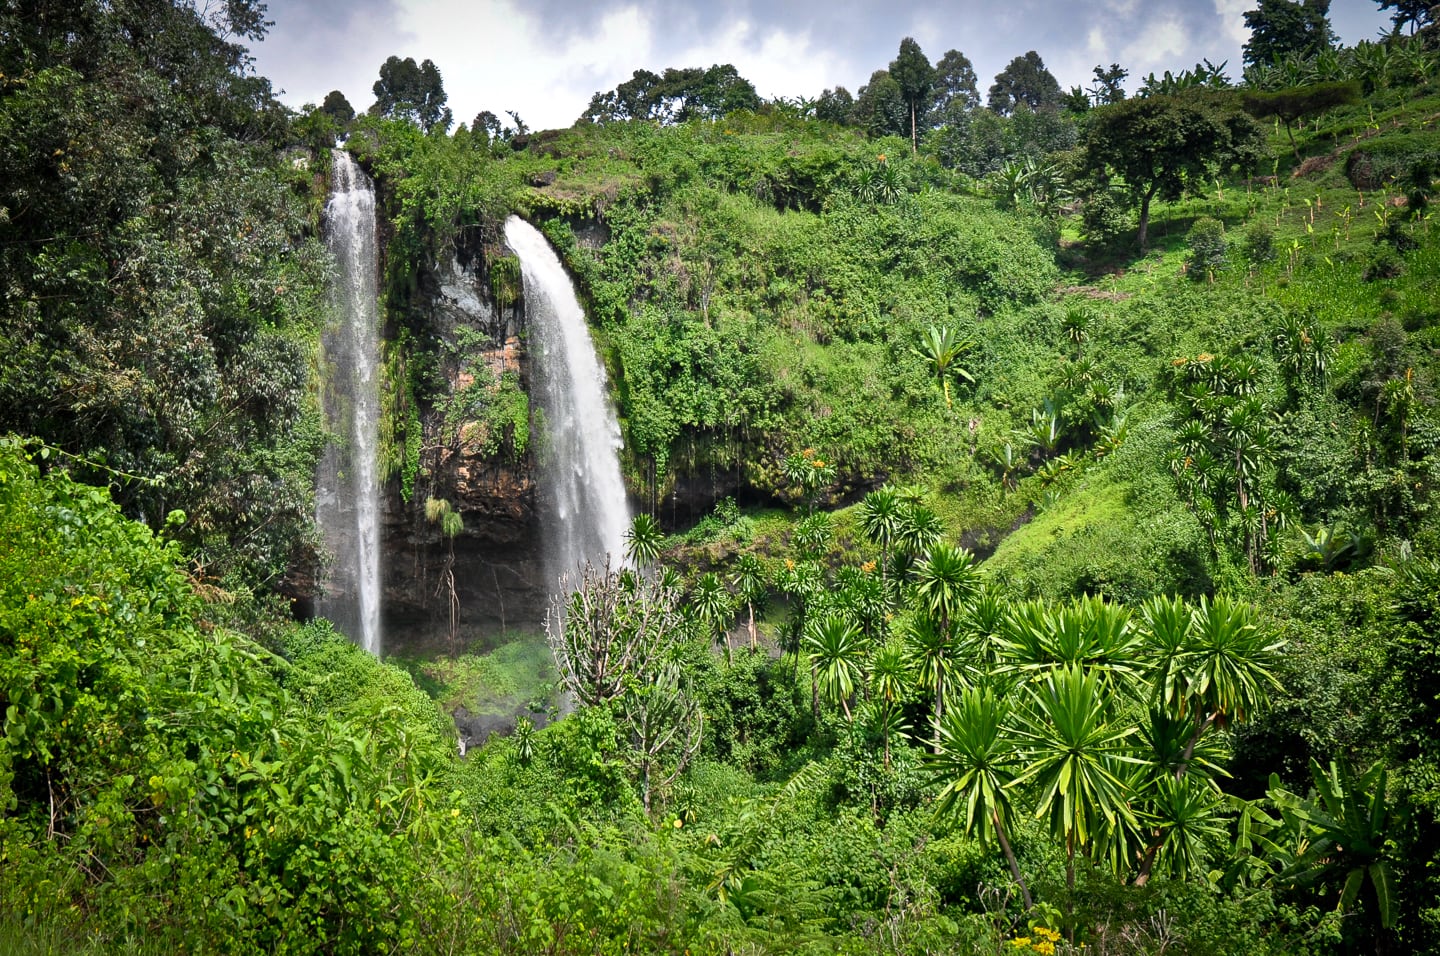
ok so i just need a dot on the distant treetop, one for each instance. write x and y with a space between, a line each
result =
407 90
1024 81
675 96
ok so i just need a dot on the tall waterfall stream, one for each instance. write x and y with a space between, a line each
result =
348 486
585 514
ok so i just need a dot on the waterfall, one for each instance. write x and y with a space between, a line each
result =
585 514
347 506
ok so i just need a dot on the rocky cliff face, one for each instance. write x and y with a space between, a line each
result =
476 589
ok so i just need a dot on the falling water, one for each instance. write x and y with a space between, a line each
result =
587 514
348 490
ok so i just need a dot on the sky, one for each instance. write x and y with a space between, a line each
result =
545 58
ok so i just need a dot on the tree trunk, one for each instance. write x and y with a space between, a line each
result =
1145 222
914 140
939 707
1010 859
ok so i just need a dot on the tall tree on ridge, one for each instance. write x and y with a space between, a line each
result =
1024 80
407 90
955 83
916 77
880 106
1278 27
1417 13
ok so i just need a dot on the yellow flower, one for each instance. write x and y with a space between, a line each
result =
678 823
1204 357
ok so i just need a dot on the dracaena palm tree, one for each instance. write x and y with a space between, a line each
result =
837 653
751 586
1230 662
643 541
1075 757
1187 819
881 516
712 607
930 651
975 756
944 581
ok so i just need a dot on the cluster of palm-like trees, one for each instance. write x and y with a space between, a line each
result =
1105 723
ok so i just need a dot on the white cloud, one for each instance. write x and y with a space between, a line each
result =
492 56
1164 44
1232 19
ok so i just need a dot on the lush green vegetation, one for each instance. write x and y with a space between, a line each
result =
1067 593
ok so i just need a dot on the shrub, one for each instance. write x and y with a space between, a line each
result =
1259 243
1207 248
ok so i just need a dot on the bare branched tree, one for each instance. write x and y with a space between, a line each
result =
607 627
665 729
612 635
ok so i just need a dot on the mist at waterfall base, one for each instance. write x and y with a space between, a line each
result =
583 513
347 499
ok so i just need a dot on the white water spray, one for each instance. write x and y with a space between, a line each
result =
348 487
587 514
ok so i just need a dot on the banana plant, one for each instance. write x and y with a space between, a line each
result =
1343 833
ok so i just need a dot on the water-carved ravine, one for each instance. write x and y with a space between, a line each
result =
347 486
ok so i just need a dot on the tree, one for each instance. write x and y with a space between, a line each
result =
955 84
1282 27
488 124
163 283
643 540
1163 146
836 650
1297 103
881 514
1024 80
612 628
835 106
1208 248
880 108
752 587
411 91
944 581
711 605
665 727
916 77
1417 13
1075 754
976 756
338 108
1109 86
676 96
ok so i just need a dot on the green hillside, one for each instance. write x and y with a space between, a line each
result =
1036 549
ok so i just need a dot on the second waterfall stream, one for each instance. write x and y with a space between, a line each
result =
584 510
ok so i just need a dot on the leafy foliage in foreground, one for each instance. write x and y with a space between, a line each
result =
163 287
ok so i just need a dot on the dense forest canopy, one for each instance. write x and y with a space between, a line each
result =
1069 569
